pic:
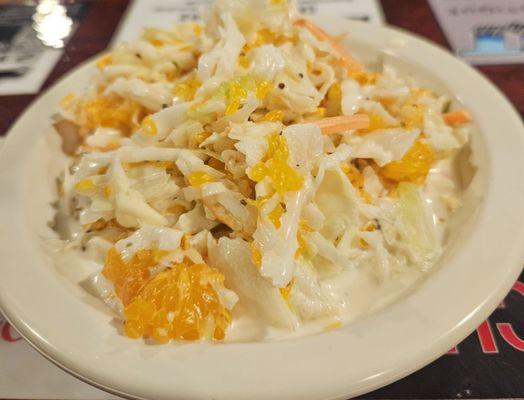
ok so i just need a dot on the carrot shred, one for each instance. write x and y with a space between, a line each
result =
340 37
342 123
346 60
457 117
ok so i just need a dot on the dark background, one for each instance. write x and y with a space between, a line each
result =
469 373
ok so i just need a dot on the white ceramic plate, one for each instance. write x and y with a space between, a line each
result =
483 260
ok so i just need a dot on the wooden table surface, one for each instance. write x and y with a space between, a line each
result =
102 17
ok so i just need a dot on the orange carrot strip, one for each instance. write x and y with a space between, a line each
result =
342 123
340 37
457 117
346 60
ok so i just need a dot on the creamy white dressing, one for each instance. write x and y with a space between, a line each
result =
442 192
356 289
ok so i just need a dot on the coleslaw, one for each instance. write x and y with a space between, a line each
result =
246 166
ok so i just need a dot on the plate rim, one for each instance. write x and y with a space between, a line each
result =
41 346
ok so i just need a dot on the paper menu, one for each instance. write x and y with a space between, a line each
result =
32 38
483 31
165 13
363 10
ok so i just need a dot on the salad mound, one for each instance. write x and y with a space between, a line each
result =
242 166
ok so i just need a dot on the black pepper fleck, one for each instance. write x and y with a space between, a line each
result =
243 202
138 55
128 244
301 75
164 105
281 85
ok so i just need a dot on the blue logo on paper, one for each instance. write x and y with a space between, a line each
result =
497 40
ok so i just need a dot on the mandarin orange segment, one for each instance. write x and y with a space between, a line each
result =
357 180
276 167
273 116
284 177
413 167
364 77
256 255
262 88
186 90
139 315
285 292
376 122
110 111
198 178
179 303
130 277
333 100
276 214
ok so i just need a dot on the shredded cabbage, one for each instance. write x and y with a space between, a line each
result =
256 145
